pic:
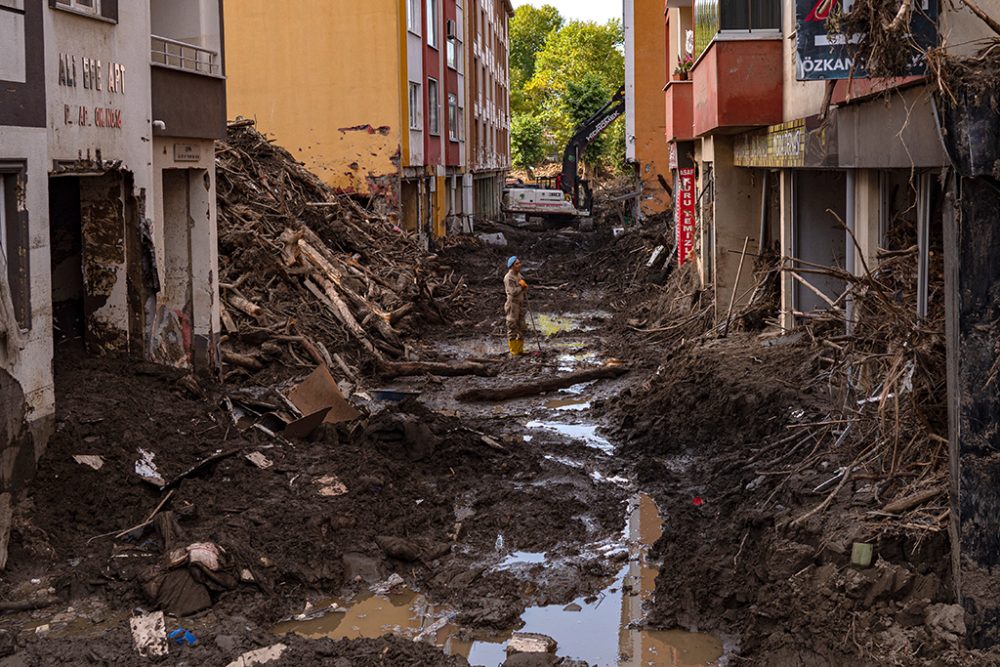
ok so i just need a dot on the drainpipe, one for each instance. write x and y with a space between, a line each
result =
850 259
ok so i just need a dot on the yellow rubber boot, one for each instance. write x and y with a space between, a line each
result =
516 346
519 346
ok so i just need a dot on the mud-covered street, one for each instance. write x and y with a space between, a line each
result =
638 520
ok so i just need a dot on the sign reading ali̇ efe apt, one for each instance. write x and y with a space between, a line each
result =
822 55
92 74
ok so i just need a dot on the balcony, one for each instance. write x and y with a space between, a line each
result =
680 110
737 85
188 69
181 55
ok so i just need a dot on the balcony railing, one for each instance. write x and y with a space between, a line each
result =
184 56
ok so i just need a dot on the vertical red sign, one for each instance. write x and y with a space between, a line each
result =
684 220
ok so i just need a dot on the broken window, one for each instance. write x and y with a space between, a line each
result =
14 242
433 107
415 103
453 116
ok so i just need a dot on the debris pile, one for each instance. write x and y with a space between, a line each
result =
890 371
309 276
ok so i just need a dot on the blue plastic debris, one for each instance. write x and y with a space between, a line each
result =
180 636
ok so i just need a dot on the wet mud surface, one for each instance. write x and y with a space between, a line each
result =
631 520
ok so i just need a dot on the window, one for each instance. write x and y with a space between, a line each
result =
454 52
415 104
14 243
432 27
433 107
453 117
82 6
413 16
733 16
13 57
105 9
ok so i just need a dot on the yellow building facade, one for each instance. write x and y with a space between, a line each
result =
645 124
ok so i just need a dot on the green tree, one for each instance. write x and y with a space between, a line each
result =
527 140
583 99
529 29
576 72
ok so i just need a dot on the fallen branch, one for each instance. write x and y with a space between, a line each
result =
28 605
394 369
543 386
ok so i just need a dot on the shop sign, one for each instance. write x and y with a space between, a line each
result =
823 55
806 142
684 215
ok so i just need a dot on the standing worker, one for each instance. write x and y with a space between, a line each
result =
517 291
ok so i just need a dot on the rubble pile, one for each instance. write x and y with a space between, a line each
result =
309 276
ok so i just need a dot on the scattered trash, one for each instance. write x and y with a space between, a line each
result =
497 240
697 501
180 636
259 460
149 634
393 395
320 392
390 585
205 553
146 469
618 231
861 554
95 462
330 486
655 256
260 656
530 642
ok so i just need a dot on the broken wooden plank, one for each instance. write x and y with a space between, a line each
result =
543 386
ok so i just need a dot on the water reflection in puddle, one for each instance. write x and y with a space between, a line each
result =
551 323
599 631
573 403
586 433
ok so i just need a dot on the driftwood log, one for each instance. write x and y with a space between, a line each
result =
395 369
542 386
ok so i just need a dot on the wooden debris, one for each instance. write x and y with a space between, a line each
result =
543 386
394 369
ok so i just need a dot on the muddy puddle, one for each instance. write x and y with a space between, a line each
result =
550 324
572 403
600 629
583 432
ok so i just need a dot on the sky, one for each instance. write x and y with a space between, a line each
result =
583 10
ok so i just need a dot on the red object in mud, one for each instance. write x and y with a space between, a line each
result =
697 501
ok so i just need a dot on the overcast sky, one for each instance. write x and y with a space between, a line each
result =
583 10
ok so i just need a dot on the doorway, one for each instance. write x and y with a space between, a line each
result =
819 235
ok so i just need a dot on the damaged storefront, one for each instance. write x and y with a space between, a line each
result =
844 199
107 198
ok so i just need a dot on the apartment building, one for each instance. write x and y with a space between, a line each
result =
107 167
489 90
759 158
388 115
645 123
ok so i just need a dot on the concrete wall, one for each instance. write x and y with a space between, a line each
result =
29 361
737 216
323 77
645 76
186 323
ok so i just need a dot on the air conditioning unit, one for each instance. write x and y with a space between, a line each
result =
452 29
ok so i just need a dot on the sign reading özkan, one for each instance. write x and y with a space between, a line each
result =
684 220
824 55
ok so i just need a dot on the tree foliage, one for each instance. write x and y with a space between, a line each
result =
527 141
562 73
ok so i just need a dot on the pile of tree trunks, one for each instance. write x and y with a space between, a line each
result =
309 276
